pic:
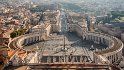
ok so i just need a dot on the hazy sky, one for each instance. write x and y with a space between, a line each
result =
78 1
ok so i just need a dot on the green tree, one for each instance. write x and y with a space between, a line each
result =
17 33
13 34
21 32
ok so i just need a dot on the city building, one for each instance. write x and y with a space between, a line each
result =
109 29
43 28
79 25
54 18
122 37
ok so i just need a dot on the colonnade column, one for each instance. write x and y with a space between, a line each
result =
39 38
115 57
30 40
86 37
98 39
83 37
102 41
26 41
90 37
111 58
33 39
95 39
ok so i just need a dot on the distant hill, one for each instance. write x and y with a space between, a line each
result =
15 2
96 6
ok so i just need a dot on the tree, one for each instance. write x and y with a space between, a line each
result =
17 33
20 32
13 34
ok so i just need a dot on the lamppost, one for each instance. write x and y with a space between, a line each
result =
92 49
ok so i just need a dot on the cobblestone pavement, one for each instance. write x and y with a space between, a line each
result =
74 45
